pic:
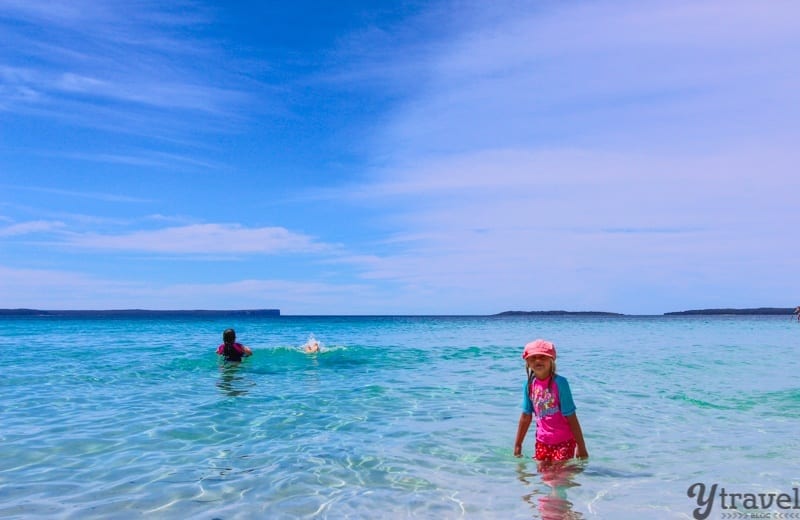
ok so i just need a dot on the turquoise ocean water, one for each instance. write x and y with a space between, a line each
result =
396 417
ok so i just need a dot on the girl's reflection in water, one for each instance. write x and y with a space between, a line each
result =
551 500
230 381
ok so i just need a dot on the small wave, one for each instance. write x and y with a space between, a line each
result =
682 397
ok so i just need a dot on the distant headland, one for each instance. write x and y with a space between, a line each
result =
136 313
557 313
758 311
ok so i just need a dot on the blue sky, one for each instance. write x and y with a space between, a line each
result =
399 158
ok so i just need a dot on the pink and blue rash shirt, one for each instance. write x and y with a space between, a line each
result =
551 404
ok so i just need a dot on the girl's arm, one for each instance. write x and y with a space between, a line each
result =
575 426
522 430
247 351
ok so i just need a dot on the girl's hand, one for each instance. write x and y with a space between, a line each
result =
518 451
583 452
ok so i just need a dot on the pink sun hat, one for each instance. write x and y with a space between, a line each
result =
539 347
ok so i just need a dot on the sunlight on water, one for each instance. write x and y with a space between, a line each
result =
392 418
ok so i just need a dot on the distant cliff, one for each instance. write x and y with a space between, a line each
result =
135 313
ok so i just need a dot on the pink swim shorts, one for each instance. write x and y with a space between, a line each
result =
561 451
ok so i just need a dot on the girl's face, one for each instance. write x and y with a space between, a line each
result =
541 366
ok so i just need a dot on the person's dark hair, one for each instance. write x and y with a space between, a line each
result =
229 350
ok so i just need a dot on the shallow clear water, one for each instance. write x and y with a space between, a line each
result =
395 418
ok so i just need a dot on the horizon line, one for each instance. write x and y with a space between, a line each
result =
273 312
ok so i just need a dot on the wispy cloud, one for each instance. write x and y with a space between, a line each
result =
147 158
107 197
648 230
176 96
592 146
211 239
74 290
114 58
25 228
601 74
605 155
64 289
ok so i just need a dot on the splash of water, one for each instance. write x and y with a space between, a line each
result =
312 345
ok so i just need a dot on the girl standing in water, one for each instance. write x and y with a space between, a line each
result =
548 396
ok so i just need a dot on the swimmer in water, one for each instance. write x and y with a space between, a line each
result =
312 345
230 349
